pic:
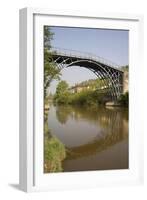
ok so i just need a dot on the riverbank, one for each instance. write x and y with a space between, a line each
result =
54 150
54 154
90 98
112 104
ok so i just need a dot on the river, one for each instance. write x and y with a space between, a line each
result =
95 138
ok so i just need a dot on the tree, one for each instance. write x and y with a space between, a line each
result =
125 68
62 93
124 99
61 87
51 70
48 36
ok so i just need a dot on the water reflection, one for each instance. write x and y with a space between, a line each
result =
87 131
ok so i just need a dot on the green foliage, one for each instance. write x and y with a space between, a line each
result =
54 153
124 99
48 36
94 94
54 150
62 93
62 87
93 84
51 71
86 98
125 68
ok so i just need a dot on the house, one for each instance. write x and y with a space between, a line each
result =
78 88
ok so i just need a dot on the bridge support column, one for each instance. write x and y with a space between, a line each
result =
125 82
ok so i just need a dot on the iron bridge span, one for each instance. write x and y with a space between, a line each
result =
110 73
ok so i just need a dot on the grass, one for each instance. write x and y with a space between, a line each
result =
54 154
54 150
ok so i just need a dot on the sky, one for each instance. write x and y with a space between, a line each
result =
109 44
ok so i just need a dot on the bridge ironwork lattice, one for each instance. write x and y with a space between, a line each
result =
109 72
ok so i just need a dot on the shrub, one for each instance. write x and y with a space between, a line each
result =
124 99
54 153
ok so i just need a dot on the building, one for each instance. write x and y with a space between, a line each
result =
78 88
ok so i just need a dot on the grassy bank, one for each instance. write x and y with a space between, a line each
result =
54 154
54 150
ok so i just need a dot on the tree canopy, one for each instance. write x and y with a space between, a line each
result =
51 70
62 93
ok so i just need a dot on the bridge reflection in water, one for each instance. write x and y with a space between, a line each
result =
95 138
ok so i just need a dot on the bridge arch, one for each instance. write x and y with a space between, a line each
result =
111 76
102 73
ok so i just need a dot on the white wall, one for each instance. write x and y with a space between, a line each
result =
9 40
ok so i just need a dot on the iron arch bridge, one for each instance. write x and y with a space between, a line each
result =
110 73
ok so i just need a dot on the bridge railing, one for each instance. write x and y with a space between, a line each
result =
85 55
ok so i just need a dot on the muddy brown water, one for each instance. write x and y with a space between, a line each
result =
95 138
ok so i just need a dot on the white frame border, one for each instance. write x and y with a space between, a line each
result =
27 93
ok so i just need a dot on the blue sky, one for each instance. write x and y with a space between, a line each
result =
106 43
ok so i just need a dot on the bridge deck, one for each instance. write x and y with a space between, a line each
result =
85 56
109 72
